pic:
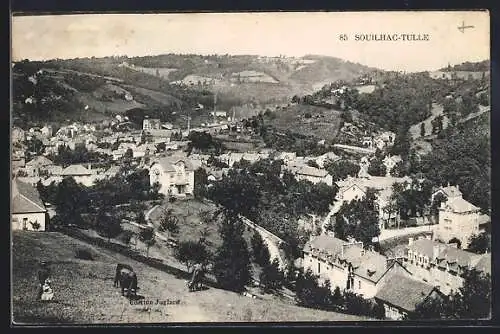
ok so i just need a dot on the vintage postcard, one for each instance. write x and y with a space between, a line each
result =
250 167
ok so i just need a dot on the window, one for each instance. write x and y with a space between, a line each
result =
359 284
319 267
25 223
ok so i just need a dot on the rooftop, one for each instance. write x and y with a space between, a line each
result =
404 292
76 170
459 205
168 163
312 171
25 198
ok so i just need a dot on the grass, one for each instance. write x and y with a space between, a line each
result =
84 291
323 123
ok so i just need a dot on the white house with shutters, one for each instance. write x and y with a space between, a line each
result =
175 176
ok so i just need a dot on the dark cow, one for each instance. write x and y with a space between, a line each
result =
119 267
196 282
128 283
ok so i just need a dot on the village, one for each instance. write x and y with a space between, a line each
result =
173 169
430 263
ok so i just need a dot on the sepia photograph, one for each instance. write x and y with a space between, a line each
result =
250 167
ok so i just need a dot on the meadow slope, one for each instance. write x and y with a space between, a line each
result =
85 293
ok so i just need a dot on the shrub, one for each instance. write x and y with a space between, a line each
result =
125 236
84 254
36 225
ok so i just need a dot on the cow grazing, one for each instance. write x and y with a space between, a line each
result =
128 283
119 267
196 282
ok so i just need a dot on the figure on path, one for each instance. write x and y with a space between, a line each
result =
43 275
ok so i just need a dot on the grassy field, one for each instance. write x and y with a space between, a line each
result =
323 123
84 291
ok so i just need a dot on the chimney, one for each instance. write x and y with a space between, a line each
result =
410 241
89 166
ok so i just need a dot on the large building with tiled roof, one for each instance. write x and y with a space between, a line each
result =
442 265
400 295
28 212
355 188
174 174
348 266
458 219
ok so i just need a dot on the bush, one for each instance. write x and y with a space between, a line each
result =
84 254
125 236
36 225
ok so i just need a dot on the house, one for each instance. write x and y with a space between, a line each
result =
314 175
447 192
231 158
348 266
143 150
356 188
84 175
367 142
38 164
175 175
151 124
327 157
442 265
364 164
168 126
27 209
17 163
390 162
458 219
401 294
17 135
286 156
219 113
48 181
47 131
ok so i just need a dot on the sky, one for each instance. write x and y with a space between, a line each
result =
268 34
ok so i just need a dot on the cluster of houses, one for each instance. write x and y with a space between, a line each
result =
430 266
427 269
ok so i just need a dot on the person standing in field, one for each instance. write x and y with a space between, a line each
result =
43 275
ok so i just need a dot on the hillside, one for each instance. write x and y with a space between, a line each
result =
320 122
84 291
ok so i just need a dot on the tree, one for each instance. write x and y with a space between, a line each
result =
472 301
71 201
310 293
312 163
192 252
161 147
147 236
422 130
107 225
456 241
129 154
480 243
402 142
358 219
259 249
377 167
474 297
200 183
341 169
232 266
141 218
272 277
169 222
